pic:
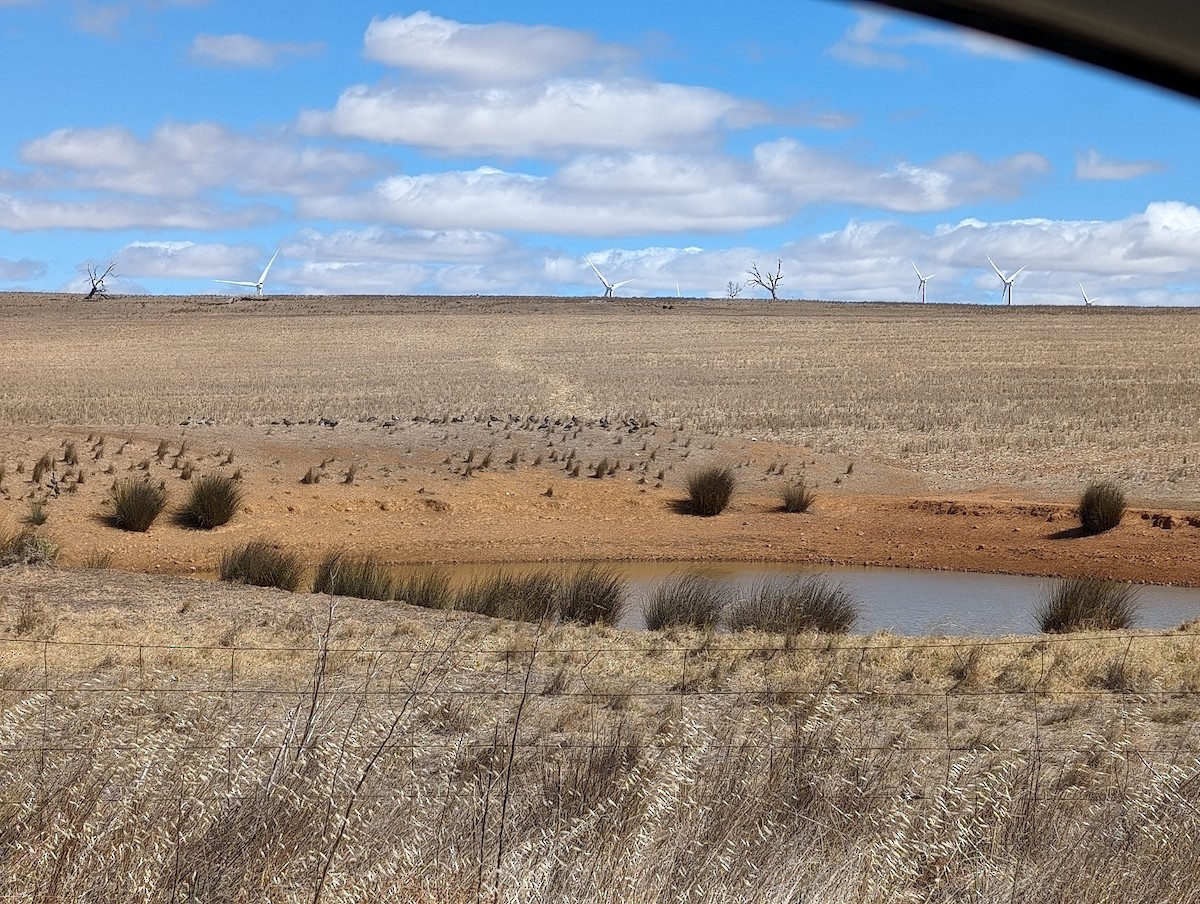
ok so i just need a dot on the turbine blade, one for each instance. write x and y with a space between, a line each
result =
914 266
236 282
262 279
997 269
618 285
598 273
1014 276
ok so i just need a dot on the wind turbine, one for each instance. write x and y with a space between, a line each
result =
253 285
921 285
1087 302
1007 280
609 288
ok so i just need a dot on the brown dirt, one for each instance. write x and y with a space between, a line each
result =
411 502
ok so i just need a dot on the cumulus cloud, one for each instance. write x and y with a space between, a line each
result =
21 270
496 52
873 42
245 51
410 246
650 192
99 213
561 115
950 181
182 159
188 260
1090 166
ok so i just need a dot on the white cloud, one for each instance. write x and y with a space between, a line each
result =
814 177
496 52
246 51
492 199
21 270
188 260
562 115
21 214
393 246
103 19
653 192
873 43
1093 167
181 159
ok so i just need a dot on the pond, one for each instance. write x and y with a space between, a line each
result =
899 600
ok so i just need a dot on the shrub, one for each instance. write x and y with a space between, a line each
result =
262 564
797 497
213 501
692 599
1101 507
1087 604
37 514
428 588
529 598
593 594
136 503
42 465
25 547
789 605
362 577
710 490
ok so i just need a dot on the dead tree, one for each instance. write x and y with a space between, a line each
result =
733 289
97 277
769 281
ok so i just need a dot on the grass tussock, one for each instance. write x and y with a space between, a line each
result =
710 490
136 503
691 599
792 605
262 564
593 594
26 547
1087 604
1101 507
527 598
363 577
213 501
428 588
797 497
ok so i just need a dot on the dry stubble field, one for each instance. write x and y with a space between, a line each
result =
173 739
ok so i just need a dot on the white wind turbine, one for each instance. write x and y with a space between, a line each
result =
253 285
1007 280
921 285
609 288
1087 302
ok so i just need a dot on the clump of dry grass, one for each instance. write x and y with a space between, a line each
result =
1101 507
710 490
593 594
797 497
428 588
213 501
136 503
1087 604
528 598
789 606
691 599
26 547
262 564
363 577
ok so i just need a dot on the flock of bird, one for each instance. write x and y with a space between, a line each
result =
611 287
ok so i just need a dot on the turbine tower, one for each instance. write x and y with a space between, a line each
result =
1087 302
1007 280
258 286
609 288
921 285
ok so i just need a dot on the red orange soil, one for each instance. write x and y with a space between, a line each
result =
410 502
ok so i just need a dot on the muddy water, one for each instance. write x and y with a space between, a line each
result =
903 601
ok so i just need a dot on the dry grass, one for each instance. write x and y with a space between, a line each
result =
450 758
987 397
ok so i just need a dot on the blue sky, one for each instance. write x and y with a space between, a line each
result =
487 148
